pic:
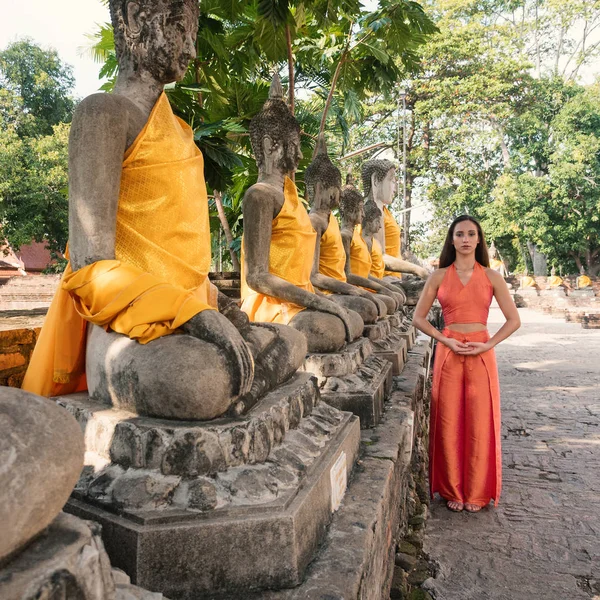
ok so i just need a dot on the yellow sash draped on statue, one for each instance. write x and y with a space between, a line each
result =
290 257
159 279
554 281
377 264
360 257
583 281
332 256
392 238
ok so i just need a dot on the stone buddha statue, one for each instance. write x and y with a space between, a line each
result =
379 183
371 225
358 259
135 320
554 280
279 240
583 281
323 182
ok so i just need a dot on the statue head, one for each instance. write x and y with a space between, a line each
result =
351 205
379 180
275 134
323 179
371 221
155 36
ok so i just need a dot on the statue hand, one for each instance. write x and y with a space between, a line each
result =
213 327
335 309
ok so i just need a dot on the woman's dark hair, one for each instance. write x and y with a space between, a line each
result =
448 255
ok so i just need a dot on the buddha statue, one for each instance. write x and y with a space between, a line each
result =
279 240
583 281
379 183
358 259
136 321
528 282
554 281
323 182
371 225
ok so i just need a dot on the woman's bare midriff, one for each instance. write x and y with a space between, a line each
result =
467 327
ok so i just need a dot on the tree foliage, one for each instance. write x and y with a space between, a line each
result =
35 110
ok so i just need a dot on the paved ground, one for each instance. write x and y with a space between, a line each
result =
543 541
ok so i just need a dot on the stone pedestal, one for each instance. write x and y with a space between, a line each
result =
68 561
557 292
220 507
583 293
389 342
356 380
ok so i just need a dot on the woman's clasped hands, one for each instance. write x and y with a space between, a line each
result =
467 348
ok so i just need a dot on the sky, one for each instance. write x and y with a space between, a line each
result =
58 24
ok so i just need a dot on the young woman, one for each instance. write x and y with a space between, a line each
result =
465 466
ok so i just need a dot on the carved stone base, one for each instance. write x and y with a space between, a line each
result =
391 338
356 380
557 292
67 560
394 348
216 508
583 293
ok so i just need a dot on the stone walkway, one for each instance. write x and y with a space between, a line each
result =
543 541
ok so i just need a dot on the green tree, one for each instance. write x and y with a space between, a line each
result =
42 81
35 111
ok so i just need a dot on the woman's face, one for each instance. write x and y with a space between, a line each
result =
465 237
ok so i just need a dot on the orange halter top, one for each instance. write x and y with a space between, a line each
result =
465 303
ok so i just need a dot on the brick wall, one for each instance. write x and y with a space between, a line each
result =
16 346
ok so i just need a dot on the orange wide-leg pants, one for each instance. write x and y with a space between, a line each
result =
465 463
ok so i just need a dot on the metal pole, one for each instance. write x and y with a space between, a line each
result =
404 200
398 142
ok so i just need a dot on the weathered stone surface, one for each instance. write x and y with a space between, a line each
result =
67 561
363 392
259 525
191 448
338 364
393 348
41 456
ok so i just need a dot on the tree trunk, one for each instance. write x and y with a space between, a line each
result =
540 263
331 91
225 225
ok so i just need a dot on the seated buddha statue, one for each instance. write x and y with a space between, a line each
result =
323 182
528 282
583 281
358 259
371 225
136 321
554 280
279 240
379 184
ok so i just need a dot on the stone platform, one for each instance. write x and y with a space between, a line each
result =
219 507
67 561
357 558
355 380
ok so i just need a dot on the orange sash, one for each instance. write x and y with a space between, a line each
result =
290 257
360 257
377 264
332 256
159 279
392 239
